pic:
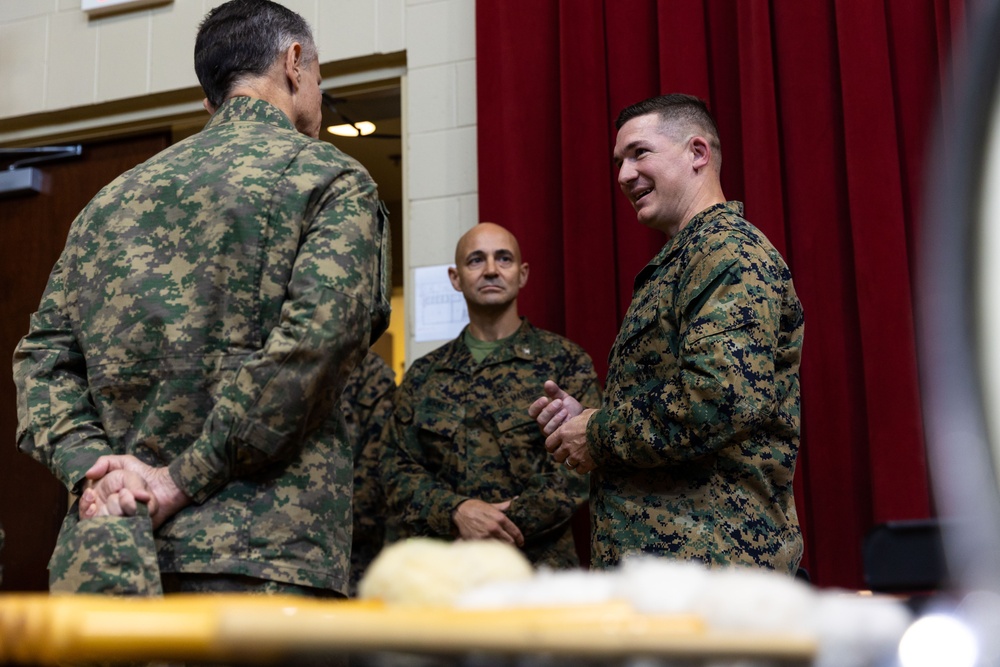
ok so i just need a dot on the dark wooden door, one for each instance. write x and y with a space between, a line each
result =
32 234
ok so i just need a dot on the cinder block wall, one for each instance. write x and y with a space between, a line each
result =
54 58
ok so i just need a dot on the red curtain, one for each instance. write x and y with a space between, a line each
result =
824 109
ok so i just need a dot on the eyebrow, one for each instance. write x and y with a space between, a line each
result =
616 161
500 251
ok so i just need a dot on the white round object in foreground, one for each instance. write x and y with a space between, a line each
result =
429 572
938 639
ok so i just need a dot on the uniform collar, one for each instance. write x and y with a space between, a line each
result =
686 234
237 109
522 345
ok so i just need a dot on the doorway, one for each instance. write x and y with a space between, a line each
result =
33 228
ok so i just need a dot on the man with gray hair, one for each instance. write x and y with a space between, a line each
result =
183 372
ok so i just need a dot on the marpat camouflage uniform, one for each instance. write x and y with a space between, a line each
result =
461 430
205 314
697 438
367 404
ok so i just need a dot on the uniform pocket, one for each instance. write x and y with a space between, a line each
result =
521 443
507 419
441 448
639 318
442 425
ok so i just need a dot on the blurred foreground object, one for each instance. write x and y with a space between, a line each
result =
959 330
429 572
648 607
847 630
45 630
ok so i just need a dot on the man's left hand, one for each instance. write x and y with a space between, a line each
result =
568 445
169 499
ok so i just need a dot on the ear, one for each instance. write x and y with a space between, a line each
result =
293 66
523 275
453 277
209 107
701 152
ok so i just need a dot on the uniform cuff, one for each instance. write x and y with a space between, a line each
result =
441 522
200 471
74 467
599 437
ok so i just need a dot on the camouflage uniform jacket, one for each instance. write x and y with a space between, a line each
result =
205 314
367 404
461 430
697 437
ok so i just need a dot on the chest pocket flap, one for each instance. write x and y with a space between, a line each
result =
639 318
511 417
439 417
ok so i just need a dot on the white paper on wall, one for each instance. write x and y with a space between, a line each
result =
440 310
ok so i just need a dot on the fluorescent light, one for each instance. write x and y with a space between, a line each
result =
98 7
363 128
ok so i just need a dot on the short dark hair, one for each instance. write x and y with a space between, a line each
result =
245 38
679 108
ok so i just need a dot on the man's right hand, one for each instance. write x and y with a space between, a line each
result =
554 409
480 520
116 494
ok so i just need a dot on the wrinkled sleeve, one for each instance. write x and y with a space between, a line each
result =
58 424
421 502
553 494
373 408
288 387
368 500
724 386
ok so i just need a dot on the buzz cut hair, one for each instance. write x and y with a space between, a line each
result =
678 111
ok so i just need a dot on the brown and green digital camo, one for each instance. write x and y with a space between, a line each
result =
108 554
461 430
697 437
205 314
367 404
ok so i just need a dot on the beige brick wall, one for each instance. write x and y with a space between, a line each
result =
54 59
53 56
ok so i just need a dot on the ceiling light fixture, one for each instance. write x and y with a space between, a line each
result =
362 128
350 128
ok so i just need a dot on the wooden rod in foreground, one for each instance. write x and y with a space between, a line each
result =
52 630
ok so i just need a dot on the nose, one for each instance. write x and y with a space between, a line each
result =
491 266
626 174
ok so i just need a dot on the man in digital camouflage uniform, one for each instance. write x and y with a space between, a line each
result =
692 453
464 459
367 404
184 369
